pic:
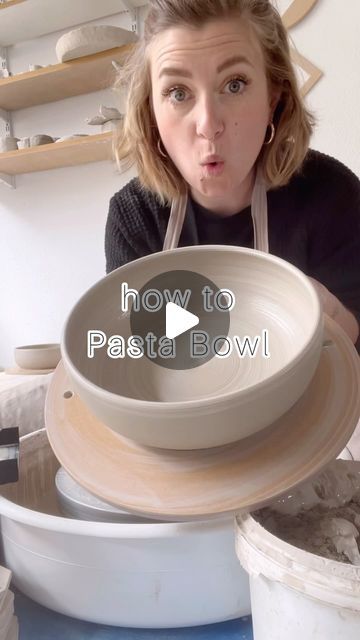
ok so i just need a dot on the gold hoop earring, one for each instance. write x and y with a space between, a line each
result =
159 148
272 134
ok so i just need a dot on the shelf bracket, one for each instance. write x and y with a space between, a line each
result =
3 59
9 181
6 118
134 14
6 179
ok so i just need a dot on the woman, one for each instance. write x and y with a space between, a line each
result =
215 120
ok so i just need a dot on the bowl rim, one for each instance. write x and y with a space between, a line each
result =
38 347
275 378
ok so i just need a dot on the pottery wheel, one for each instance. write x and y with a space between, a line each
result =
178 485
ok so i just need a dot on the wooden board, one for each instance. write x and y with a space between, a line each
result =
183 485
61 154
297 11
313 72
59 81
10 3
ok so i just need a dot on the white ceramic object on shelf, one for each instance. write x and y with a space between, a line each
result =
110 125
24 143
184 409
105 114
8 143
108 118
39 139
128 575
34 141
74 136
90 39
37 356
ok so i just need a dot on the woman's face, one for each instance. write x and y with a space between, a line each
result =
210 96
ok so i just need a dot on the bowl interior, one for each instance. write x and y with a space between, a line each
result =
271 297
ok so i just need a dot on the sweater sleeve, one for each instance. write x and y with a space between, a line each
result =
134 226
334 249
118 247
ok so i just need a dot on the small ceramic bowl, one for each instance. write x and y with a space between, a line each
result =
39 139
24 143
224 399
38 356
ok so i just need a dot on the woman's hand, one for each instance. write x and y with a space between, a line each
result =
332 306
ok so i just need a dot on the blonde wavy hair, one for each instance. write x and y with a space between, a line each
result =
137 140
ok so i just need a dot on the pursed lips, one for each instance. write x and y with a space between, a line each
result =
212 159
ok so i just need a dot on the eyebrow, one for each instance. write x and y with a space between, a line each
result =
175 71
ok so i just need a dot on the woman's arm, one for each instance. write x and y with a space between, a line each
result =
336 310
134 227
118 248
334 247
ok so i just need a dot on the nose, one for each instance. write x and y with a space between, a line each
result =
209 121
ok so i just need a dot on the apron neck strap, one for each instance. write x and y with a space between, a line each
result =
176 221
259 214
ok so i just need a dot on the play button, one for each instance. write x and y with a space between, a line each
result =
178 320
177 317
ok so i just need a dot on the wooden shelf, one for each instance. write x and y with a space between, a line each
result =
60 154
27 19
59 81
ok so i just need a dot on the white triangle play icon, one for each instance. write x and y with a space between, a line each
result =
178 320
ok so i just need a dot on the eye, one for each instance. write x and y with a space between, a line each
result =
176 94
236 85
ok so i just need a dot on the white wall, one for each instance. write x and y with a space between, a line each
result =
52 225
329 37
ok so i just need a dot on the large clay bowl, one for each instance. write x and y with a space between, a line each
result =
223 400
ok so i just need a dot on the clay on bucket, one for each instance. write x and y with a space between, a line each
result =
323 516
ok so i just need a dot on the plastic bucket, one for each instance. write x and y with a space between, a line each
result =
296 594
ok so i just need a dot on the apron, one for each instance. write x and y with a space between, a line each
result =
259 216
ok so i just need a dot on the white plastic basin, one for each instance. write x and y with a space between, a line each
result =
132 575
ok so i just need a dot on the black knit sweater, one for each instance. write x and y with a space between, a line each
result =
313 222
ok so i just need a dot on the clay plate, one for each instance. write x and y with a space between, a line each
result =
17 371
177 485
